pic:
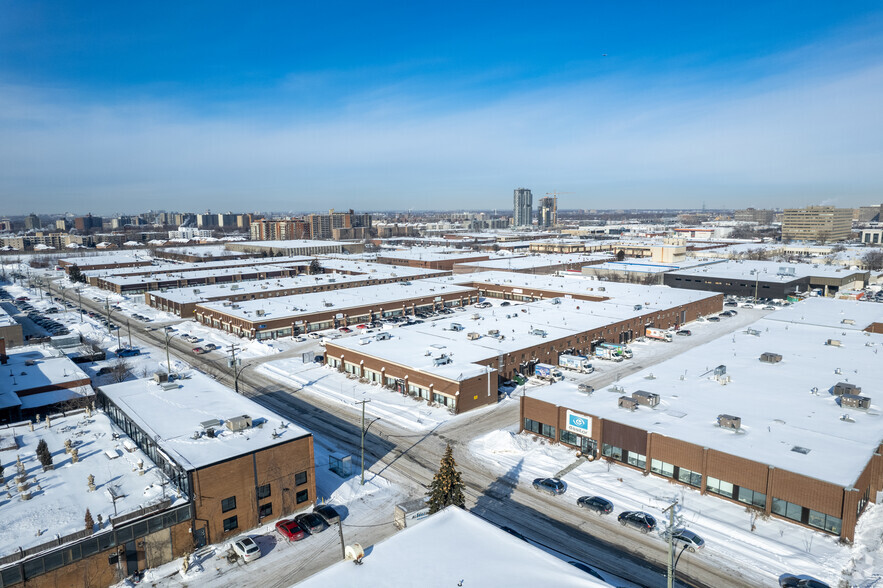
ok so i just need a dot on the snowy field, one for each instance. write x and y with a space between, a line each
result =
772 547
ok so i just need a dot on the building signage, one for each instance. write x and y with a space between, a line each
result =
579 424
517 291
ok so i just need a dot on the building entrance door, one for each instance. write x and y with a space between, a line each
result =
131 558
588 446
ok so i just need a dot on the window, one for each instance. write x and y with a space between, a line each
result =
611 451
786 509
751 497
228 504
637 460
825 522
662 468
539 428
302 496
265 510
690 477
568 437
230 524
263 491
718 487
300 478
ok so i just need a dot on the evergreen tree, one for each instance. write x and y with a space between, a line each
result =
44 455
90 524
447 486
75 274
315 267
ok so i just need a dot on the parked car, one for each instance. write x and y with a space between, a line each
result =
127 351
199 350
300 338
684 332
595 503
311 522
290 530
327 512
731 303
505 303
686 537
105 370
314 335
553 486
209 346
247 549
637 519
713 319
769 307
789 581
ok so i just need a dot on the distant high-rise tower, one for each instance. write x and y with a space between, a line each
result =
523 216
548 212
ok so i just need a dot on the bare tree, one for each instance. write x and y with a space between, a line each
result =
873 260
121 370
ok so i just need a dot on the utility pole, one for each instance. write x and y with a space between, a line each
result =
128 326
342 544
79 303
671 532
362 428
109 324
168 337
236 369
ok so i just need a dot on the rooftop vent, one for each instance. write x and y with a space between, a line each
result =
160 377
841 388
720 370
538 332
646 398
473 336
770 357
239 423
585 388
441 360
847 322
855 401
833 342
260 312
211 423
169 386
799 449
627 403
728 421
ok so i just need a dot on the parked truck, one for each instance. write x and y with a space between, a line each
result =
623 350
544 371
660 334
606 353
579 363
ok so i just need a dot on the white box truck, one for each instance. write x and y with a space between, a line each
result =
579 363
659 334
544 371
623 350
607 353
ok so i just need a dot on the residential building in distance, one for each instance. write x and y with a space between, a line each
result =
547 215
32 221
88 222
817 223
523 208
753 215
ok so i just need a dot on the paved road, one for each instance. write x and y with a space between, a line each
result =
411 460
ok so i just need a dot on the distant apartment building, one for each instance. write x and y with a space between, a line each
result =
334 225
189 233
32 221
547 215
869 214
62 224
817 223
753 215
207 221
523 208
279 230
88 222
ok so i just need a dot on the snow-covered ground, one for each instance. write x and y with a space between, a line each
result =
733 535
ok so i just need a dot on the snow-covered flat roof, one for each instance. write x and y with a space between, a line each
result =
782 405
50 367
466 551
294 243
431 254
848 315
194 275
199 266
202 250
335 301
59 505
537 260
105 258
173 415
359 264
768 271
6 319
419 345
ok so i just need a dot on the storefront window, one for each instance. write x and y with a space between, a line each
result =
690 477
611 451
662 468
718 487
751 497
637 460
787 509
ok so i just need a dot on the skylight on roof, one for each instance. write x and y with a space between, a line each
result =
799 449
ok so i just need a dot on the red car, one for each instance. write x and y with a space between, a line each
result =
290 530
199 350
345 330
361 326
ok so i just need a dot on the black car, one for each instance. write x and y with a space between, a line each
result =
595 503
713 319
637 519
505 303
789 581
327 512
311 522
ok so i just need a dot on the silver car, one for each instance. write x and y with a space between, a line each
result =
688 538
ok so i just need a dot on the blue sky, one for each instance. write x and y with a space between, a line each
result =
305 106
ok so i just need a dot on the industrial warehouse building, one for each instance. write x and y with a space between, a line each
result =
780 417
271 318
767 279
457 362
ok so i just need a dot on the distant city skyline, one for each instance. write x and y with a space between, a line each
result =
112 107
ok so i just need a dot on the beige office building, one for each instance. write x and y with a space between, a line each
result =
817 223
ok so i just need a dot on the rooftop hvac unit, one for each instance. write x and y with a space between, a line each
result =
239 423
160 377
538 332
30 362
226 303
211 423
234 306
728 421
833 342
169 386
646 398
847 322
770 357
441 360
855 401
260 312
627 403
841 388
786 271
720 370
493 332
473 336
586 388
